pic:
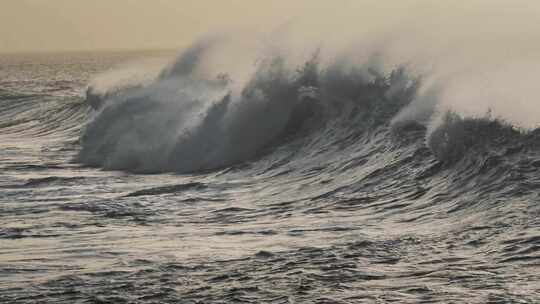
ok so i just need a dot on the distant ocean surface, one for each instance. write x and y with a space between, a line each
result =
297 185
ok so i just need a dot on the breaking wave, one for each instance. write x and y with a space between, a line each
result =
187 119
184 122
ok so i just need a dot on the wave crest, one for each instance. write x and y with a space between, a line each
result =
186 122
456 136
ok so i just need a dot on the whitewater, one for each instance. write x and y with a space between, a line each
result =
277 177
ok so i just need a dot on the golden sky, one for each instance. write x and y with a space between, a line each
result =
49 25
41 25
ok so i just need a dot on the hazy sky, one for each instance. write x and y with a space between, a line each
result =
45 25
41 25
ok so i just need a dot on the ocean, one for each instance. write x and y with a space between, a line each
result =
295 185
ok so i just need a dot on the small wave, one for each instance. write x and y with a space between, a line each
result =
113 210
32 167
9 95
20 233
51 180
456 135
42 115
167 189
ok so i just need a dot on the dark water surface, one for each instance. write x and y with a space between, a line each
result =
352 211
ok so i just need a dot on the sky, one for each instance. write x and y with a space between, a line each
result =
54 25
51 25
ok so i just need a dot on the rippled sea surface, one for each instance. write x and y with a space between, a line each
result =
342 215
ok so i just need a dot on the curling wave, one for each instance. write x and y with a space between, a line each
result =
186 121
